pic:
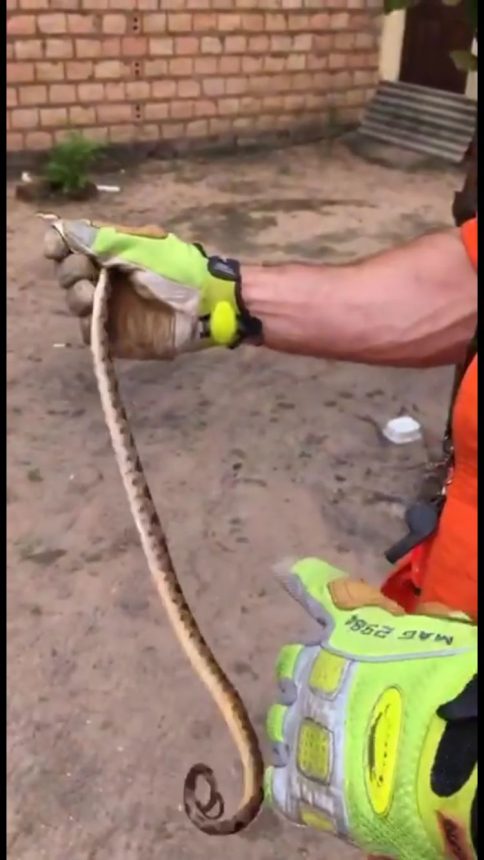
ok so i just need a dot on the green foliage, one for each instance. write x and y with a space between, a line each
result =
69 162
397 5
464 61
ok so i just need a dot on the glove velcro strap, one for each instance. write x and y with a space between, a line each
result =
227 269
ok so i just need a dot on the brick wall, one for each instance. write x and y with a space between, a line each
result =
162 70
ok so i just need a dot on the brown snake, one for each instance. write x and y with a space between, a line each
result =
207 816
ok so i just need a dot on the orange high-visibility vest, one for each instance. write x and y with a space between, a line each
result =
444 568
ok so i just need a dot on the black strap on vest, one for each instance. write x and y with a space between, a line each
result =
423 516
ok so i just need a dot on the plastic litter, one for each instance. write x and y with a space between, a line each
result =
402 430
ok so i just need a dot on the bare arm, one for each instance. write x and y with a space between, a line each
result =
414 306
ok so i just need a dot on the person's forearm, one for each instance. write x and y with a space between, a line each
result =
413 306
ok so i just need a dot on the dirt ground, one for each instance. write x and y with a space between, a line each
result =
252 456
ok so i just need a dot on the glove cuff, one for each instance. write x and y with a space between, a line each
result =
228 269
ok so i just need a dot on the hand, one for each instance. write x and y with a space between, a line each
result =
168 296
374 738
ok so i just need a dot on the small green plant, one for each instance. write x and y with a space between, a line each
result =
69 162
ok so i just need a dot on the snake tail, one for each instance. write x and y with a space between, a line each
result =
207 816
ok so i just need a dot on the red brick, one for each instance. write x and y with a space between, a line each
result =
114 91
88 48
12 100
90 92
111 48
298 62
99 133
154 23
214 86
274 23
32 4
298 23
320 21
134 46
52 23
109 69
188 89
220 125
171 130
114 113
229 65
33 95
138 90
322 44
344 41
15 142
28 49
275 64
80 115
38 140
196 128
24 117
179 23
336 61
205 65
78 71
62 93
21 25
340 80
281 44
229 106
255 22
81 25
339 20
148 131
165 89
58 49
235 44
53 116
252 65
122 133
155 68
186 45
204 22
364 40
181 109
63 5
114 25
236 86
211 45
161 47
230 22
259 44
156 110
205 107
180 66
50 71
302 42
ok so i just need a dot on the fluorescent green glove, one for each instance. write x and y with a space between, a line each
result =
201 293
375 737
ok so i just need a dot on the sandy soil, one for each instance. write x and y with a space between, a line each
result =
252 456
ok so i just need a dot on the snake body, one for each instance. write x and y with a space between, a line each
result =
207 816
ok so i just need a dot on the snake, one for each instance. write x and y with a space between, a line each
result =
206 815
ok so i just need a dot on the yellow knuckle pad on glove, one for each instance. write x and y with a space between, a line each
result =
314 752
275 721
287 661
